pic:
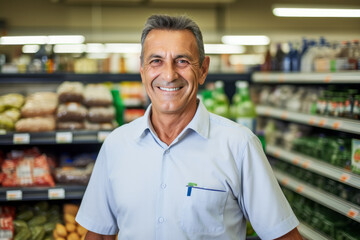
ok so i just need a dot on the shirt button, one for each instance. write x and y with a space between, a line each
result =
161 220
167 151
163 185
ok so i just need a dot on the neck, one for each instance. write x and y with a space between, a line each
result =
169 126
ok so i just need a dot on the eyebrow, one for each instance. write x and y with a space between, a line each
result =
176 57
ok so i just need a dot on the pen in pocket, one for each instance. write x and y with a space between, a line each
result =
190 186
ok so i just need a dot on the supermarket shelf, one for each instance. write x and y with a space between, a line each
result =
309 233
100 77
337 124
314 165
337 204
73 192
316 78
56 137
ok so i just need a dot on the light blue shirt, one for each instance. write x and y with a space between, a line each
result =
140 186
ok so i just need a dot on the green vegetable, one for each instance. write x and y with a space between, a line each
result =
37 233
19 225
26 215
24 234
49 227
37 220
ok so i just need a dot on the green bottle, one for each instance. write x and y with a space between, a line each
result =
221 100
245 111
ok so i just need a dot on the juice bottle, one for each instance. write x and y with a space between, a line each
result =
245 111
221 106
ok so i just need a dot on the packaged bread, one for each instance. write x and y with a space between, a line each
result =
71 92
96 95
36 124
40 104
70 125
99 126
11 100
71 112
101 114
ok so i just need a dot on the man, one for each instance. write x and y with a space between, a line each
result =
180 172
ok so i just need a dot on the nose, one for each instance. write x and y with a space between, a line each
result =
170 72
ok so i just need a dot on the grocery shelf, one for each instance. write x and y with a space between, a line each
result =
315 77
309 233
59 192
100 77
314 165
55 137
333 123
337 204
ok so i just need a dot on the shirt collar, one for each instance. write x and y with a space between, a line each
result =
199 123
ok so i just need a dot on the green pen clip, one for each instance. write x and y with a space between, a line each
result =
189 186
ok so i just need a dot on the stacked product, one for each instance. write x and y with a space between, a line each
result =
10 105
25 169
101 113
38 113
71 114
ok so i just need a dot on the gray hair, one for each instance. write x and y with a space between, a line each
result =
165 22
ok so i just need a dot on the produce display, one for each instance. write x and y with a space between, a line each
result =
10 105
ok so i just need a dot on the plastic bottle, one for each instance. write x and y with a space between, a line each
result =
246 112
279 57
307 60
266 66
354 55
286 62
221 100
295 59
236 100
208 100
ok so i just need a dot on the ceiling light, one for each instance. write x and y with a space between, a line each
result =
30 48
95 48
21 40
122 47
65 39
245 40
223 49
69 48
315 12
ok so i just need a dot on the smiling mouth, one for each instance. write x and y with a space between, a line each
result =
169 89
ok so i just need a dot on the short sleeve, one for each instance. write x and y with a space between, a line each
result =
262 199
96 210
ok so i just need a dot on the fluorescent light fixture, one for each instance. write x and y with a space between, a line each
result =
245 40
52 39
69 48
97 55
315 12
30 48
122 47
95 48
223 49
65 39
21 40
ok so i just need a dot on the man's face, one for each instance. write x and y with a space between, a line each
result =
171 71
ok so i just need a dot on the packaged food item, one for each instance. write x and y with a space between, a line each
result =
99 126
11 100
40 104
70 125
6 123
71 112
13 113
41 172
355 156
96 95
101 114
36 124
71 92
74 175
6 228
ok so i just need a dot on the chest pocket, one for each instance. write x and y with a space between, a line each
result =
203 211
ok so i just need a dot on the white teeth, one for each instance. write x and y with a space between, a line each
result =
169 89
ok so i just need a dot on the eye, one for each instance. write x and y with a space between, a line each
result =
182 62
155 62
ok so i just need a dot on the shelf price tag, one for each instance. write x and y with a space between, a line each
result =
353 213
102 135
312 121
336 125
12 195
284 115
322 122
277 154
296 161
345 177
284 181
64 137
300 188
56 193
327 78
2 131
306 164
21 138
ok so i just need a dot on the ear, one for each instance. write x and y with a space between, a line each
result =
141 71
204 70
